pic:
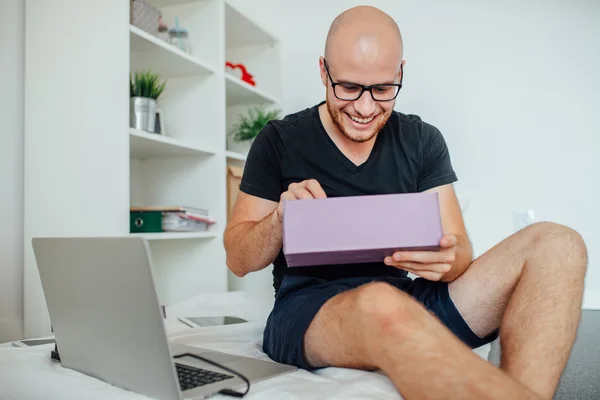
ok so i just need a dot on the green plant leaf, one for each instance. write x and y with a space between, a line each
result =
250 124
146 84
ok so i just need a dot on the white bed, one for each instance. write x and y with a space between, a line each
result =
28 373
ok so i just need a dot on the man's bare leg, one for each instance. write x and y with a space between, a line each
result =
531 286
377 326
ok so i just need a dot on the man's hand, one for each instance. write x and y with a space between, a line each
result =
309 189
431 265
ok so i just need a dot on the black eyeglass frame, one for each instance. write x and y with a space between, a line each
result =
368 88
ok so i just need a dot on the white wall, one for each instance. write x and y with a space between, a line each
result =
77 163
11 170
512 85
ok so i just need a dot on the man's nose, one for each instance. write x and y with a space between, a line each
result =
365 105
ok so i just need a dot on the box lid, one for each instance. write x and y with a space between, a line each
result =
361 222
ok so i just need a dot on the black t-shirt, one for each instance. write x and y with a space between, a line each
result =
409 155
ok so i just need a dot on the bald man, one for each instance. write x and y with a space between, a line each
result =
527 289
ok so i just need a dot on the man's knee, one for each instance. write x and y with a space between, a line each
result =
384 309
548 235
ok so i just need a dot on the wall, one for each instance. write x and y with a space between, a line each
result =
11 170
77 163
512 85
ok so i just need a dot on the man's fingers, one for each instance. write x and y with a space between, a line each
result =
309 189
429 275
315 189
448 241
446 256
288 196
415 266
300 192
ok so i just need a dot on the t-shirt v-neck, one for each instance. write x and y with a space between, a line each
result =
352 167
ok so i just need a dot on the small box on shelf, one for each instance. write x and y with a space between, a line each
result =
143 15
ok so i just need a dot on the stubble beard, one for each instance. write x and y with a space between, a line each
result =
337 118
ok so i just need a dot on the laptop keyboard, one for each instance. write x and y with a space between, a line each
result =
191 377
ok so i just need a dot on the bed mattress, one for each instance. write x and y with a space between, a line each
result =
28 373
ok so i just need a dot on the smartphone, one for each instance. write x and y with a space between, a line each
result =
200 322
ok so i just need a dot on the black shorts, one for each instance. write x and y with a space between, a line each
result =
299 299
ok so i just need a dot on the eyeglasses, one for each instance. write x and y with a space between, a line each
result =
348 91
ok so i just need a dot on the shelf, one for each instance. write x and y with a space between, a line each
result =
242 93
152 145
241 31
150 52
176 235
235 156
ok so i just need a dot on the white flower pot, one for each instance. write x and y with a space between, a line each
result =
142 113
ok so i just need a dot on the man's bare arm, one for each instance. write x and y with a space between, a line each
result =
453 224
253 236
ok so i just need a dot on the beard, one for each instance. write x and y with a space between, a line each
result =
338 119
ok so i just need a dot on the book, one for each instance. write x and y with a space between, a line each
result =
178 222
172 208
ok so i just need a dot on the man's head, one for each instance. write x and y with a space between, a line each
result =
363 47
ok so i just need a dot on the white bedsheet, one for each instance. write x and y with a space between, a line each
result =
27 374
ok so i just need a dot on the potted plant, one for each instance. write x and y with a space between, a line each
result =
248 127
144 89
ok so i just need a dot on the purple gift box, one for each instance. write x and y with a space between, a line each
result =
353 229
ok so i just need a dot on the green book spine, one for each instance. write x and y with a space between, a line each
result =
145 221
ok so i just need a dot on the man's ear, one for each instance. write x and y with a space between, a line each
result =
322 71
403 64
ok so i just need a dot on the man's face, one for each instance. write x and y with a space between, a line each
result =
361 119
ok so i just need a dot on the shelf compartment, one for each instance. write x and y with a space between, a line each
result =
150 52
152 145
242 93
241 31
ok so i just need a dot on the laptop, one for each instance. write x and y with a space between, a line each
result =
108 324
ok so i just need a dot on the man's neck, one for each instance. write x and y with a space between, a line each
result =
357 152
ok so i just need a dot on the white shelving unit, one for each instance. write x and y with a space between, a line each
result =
149 145
242 93
176 235
85 167
166 60
232 155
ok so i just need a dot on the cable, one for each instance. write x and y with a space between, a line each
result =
228 392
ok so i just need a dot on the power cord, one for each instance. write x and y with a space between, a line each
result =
228 392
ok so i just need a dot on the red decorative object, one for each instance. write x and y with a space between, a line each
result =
246 77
